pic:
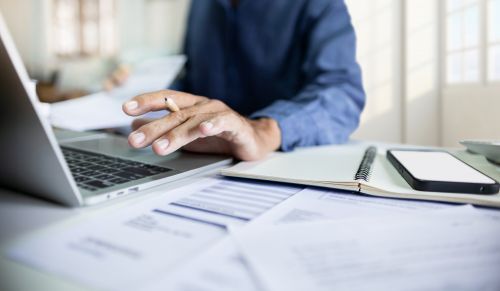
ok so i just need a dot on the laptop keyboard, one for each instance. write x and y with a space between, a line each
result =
93 171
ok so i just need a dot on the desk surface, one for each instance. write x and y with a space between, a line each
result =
22 215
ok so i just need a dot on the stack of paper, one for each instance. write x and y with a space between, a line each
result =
281 238
456 249
104 109
125 249
228 267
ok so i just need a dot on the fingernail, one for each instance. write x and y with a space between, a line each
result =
131 105
163 143
138 138
207 125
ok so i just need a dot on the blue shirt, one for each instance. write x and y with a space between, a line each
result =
290 60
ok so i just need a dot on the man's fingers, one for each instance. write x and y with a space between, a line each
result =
147 133
209 145
178 137
137 123
155 101
199 126
225 125
199 117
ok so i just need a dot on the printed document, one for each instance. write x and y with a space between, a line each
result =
126 249
455 248
222 268
314 204
177 240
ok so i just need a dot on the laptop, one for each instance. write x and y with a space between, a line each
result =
77 168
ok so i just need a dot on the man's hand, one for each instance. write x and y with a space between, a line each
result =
202 125
117 78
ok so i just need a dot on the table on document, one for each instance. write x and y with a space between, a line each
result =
229 202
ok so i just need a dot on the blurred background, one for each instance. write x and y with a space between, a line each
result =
431 68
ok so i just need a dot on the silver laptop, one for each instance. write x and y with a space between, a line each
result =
78 168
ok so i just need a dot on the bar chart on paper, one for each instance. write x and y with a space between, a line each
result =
229 202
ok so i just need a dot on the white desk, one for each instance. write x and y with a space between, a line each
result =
22 215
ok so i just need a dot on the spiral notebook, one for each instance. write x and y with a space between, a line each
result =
347 167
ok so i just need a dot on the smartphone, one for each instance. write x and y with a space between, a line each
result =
440 171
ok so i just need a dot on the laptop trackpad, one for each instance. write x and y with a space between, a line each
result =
113 146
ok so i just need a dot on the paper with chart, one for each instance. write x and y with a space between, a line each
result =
129 247
457 248
221 268
139 240
104 109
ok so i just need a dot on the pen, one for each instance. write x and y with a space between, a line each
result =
170 104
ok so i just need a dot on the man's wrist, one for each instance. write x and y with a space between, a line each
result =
268 133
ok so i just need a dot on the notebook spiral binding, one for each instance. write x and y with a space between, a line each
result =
365 167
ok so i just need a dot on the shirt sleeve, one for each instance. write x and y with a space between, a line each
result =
327 109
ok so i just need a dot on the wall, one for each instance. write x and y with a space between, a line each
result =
421 85
378 31
144 26
166 24
420 106
470 112
151 26
398 52
28 22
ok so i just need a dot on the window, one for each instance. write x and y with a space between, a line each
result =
84 27
494 40
470 57
462 44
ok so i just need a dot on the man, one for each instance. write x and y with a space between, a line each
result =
262 76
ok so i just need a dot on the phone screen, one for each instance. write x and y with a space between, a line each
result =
439 166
